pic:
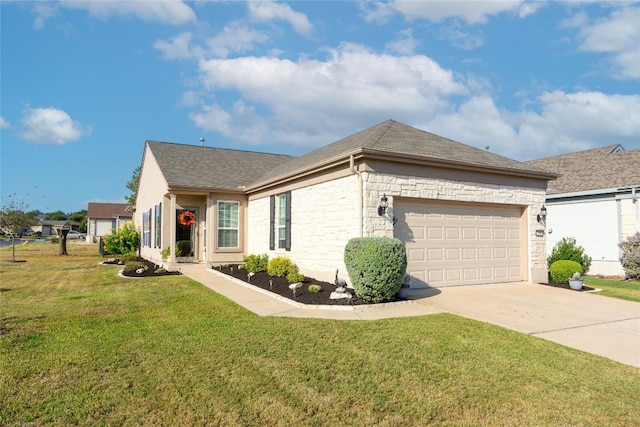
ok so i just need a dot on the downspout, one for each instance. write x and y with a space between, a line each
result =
360 192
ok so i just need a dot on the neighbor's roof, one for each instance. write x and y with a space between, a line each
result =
600 168
107 210
193 166
392 138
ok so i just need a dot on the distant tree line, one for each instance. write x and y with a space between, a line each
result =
79 216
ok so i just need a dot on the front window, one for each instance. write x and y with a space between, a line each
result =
282 220
228 224
146 228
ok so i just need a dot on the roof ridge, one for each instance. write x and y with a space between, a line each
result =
218 148
575 153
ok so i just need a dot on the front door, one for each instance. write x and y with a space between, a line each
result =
186 234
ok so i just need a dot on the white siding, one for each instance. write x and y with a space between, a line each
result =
324 218
151 190
594 225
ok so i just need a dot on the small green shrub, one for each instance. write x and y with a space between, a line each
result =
125 258
561 271
314 289
631 256
55 240
123 240
132 266
294 275
256 263
183 248
567 249
279 266
161 271
165 253
376 267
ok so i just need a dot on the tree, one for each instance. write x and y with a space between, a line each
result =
132 185
14 219
57 216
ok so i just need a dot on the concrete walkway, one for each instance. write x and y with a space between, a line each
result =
599 325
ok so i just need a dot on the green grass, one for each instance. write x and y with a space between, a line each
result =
623 289
81 345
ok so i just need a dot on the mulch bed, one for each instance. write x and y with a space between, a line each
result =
585 288
280 286
152 269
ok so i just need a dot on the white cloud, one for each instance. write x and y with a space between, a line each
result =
617 35
235 37
460 38
307 98
172 12
405 43
51 125
473 12
177 48
4 124
265 11
43 12
557 122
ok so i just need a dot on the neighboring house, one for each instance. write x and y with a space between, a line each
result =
47 227
595 200
103 217
467 216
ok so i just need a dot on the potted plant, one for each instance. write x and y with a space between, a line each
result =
575 282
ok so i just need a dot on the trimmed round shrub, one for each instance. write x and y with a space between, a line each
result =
314 289
631 256
567 249
256 263
561 271
376 267
132 266
279 266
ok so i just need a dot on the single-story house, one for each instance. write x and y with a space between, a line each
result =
595 201
467 216
103 217
46 227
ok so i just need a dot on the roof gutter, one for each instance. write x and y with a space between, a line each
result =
600 191
352 166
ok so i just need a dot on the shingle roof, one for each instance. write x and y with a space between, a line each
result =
107 210
192 166
600 168
396 138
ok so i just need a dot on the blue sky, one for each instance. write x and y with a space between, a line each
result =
85 83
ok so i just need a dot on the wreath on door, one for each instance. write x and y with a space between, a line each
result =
187 218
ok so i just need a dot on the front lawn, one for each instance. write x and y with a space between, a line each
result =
80 345
623 289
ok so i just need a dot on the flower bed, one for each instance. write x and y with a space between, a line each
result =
280 286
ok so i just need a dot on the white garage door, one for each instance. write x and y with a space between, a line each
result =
452 244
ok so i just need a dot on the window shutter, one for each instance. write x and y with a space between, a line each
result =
287 222
272 223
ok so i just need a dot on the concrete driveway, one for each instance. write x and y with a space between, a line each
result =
597 324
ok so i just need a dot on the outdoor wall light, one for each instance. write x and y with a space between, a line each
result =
382 209
542 216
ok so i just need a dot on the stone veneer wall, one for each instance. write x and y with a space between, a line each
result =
375 185
324 218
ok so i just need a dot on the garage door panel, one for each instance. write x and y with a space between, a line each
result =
435 233
456 244
415 255
469 254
